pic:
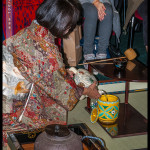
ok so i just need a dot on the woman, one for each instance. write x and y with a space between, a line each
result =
101 15
37 89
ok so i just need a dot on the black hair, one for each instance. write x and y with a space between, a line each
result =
58 16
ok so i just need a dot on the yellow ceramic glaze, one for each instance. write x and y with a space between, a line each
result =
108 107
111 128
94 115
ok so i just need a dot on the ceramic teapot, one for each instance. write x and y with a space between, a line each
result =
106 109
83 78
56 137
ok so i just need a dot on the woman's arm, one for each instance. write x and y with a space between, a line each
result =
92 91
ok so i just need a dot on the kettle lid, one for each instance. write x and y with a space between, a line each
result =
57 130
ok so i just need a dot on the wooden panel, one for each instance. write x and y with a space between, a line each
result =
29 146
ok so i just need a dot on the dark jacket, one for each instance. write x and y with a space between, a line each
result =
132 7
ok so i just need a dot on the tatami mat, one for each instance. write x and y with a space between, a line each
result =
137 99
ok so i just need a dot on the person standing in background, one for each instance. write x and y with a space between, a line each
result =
101 14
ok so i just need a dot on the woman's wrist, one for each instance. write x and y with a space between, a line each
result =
95 2
85 91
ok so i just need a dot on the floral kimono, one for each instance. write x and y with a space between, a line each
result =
37 90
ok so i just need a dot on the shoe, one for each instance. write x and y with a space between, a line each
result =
114 51
101 56
88 57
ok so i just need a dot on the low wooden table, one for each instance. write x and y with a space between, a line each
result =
130 121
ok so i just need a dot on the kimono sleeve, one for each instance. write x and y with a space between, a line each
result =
60 86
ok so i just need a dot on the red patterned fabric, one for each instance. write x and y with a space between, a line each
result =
33 53
23 12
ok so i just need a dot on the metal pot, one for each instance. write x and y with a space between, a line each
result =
58 137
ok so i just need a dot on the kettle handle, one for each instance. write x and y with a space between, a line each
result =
95 138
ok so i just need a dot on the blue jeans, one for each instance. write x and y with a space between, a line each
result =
91 24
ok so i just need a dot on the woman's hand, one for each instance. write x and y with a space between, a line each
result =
100 8
92 91
71 73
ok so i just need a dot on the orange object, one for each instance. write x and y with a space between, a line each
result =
85 147
20 88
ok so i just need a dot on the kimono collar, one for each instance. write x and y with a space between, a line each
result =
42 32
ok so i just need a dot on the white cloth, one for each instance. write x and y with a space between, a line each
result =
11 77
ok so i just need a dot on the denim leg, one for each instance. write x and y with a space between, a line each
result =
89 29
105 29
